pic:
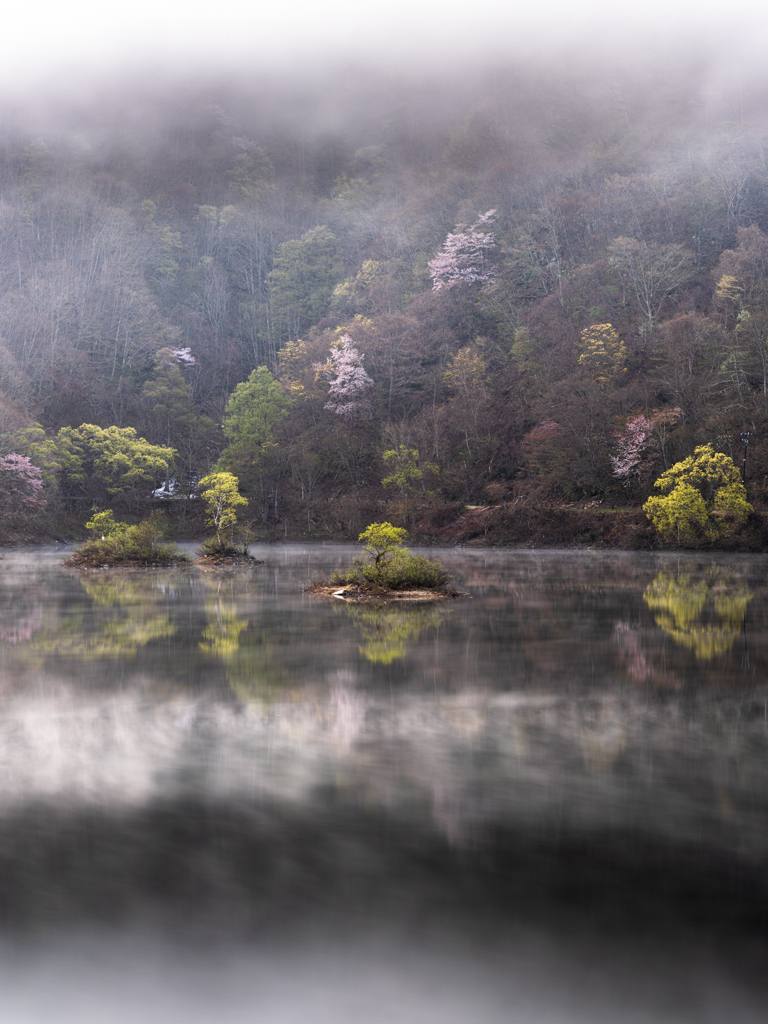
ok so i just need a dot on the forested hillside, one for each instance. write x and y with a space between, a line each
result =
527 285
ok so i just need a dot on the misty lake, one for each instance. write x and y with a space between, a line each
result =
224 800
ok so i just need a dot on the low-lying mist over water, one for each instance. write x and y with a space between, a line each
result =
222 799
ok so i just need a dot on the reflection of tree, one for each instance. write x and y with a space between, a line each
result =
126 615
21 615
705 615
386 629
628 640
221 636
251 672
602 739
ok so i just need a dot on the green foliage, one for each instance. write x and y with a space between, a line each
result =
100 277
681 515
222 548
405 465
176 421
41 450
252 173
254 408
391 567
117 456
703 498
728 288
731 508
302 280
222 498
706 469
382 539
404 571
104 524
141 544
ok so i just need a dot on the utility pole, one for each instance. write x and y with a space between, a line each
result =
745 436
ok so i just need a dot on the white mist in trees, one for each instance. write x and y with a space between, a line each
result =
350 384
466 256
184 356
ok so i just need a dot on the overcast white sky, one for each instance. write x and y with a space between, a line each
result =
43 38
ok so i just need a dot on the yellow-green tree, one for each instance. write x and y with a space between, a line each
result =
602 353
219 492
114 457
406 473
703 496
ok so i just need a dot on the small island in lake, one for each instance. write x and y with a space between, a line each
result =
115 544
390 573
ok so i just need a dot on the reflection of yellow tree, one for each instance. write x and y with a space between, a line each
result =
221 636
387 629
251 671
704 615
126 616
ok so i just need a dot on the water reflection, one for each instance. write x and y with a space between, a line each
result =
388 629
22 615
122 616
221 636
252 672
704 614
574 751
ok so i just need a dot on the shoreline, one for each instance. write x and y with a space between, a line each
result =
508 526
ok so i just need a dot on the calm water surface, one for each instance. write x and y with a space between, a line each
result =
223 800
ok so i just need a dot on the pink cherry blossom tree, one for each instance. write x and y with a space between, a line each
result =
184 356
350 387
640 444
466 256
21 484
636 451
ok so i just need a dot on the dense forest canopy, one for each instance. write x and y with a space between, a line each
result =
529 280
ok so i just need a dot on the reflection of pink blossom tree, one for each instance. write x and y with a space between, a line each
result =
21 630
20 487
465 257
350 384
628 639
